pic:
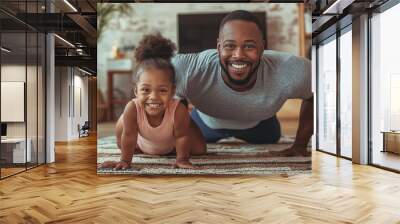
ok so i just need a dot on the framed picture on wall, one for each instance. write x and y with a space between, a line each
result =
12 101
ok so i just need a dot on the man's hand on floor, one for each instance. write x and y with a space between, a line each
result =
292 151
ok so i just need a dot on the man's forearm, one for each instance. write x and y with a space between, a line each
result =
306 126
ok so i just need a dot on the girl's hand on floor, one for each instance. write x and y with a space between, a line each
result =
122 165
115 165
107 164
185 164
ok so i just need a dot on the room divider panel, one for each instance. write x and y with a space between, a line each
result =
22 79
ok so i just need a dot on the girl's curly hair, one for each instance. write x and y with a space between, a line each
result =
155 51
154 46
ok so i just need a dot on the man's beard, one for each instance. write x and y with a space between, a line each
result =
241 82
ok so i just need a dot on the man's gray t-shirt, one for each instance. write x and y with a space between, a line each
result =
280 76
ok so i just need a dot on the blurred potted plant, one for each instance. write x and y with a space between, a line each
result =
107 11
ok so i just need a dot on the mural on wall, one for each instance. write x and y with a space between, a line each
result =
126 27
125 30
124 38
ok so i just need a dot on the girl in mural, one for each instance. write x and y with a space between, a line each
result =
154 122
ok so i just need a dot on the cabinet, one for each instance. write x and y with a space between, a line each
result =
13 150
391 141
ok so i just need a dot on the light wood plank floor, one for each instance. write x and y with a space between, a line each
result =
69 191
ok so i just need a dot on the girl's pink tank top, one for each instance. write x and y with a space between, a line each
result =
158 140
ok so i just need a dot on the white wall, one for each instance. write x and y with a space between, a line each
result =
17 73
33 127
80 97
14 73
61 103
82 82
69 85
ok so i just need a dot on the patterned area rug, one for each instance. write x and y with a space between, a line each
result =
227 157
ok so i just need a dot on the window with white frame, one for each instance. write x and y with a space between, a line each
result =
346 94
385 77
327 96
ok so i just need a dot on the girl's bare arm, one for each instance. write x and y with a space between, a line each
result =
129 136
182 140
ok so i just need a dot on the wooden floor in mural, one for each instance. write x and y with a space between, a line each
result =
69 191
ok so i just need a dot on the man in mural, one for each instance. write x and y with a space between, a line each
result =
238 88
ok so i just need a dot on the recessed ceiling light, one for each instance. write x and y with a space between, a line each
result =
70 5
64 40
337 7
84 71
5 50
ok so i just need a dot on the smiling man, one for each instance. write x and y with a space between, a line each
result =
238 88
